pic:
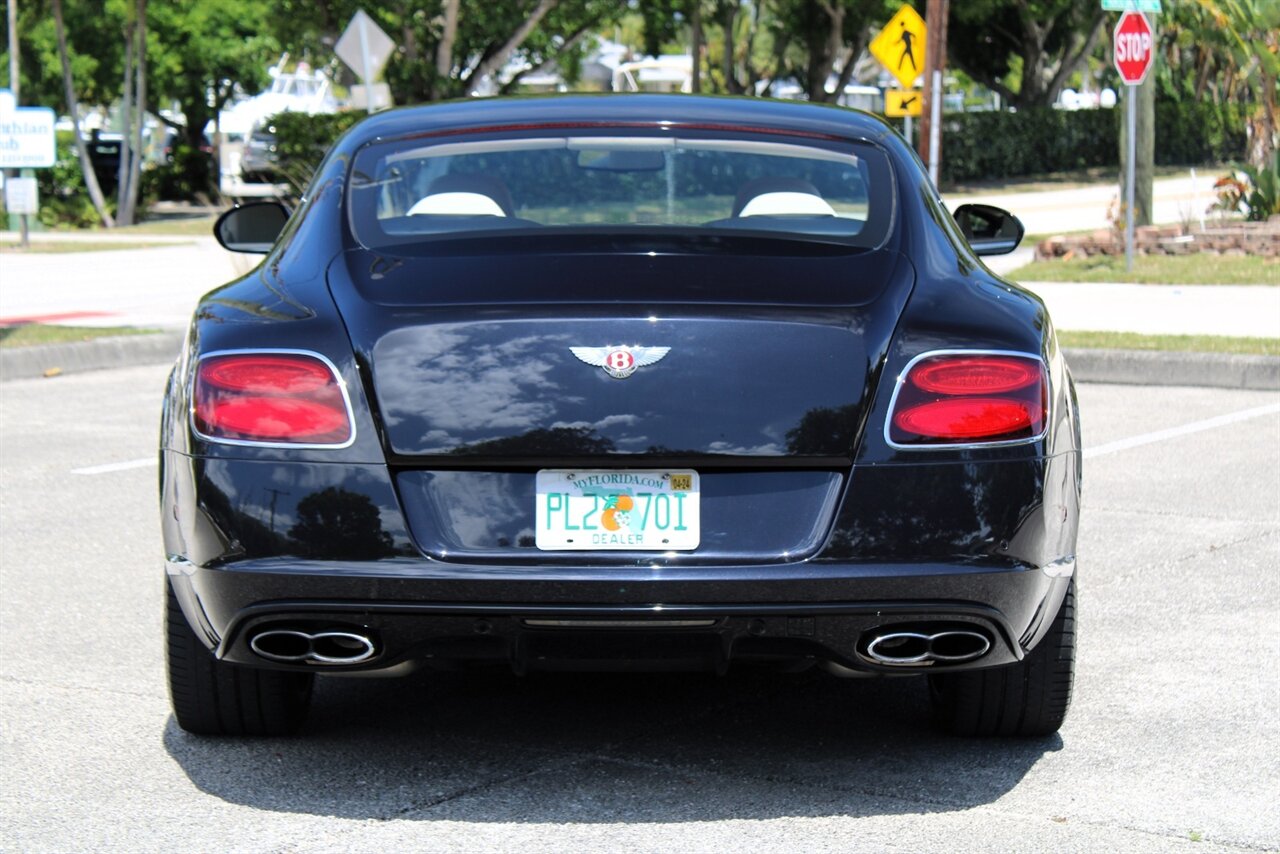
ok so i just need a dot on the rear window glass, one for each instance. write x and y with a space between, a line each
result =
407 192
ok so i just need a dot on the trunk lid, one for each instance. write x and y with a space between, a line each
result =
769 356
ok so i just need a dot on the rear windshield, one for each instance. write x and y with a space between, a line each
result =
409 192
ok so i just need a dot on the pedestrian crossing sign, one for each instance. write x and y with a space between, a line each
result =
900 46
903 102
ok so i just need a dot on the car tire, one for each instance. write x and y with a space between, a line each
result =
212 697
1029 698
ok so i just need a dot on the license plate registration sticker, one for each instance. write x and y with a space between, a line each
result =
627 510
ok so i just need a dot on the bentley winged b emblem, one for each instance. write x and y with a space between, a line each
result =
620 362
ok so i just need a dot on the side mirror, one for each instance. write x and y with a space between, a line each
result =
989 230
251 228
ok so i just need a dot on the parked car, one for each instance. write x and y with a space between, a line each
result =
258 159
620 382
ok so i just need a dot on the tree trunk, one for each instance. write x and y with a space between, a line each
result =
73 107
1144 159
126 126
14 79
444 49
1263 125
731 84
140 109
1145 162
695 37
494 61
823 52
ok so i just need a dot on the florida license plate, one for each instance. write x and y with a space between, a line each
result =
629 510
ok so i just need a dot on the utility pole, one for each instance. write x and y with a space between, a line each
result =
935 66
14 87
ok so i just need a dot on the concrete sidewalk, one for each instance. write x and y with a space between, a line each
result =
1176 199
156 287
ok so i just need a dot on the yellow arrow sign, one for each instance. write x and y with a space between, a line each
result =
903 102
900 46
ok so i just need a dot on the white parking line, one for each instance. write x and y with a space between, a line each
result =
125 466
1185 429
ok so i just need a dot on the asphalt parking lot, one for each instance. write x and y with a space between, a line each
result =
1173 740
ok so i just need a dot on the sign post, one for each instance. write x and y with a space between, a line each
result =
903 104
365 48
900 48
26 142
1133 48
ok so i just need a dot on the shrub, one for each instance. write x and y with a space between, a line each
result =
64 200
1005 145
979 145
187 176
1195 132
303 140
1030 142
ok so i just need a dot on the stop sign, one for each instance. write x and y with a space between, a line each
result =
1134 47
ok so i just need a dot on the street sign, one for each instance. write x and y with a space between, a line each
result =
903 102
21 196
26 135
1134 5
372 98
1133 47
900 46
364 47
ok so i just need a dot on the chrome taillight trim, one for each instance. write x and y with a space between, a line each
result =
253 443
961 446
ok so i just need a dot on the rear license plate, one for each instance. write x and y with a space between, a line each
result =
629 510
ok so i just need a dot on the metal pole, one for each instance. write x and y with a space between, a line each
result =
364 60
1132 147
906 128
935 126
14 80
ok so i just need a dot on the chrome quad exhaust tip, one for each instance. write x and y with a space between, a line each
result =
921 649
294 646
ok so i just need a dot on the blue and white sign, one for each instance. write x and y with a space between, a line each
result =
26 135
1152 6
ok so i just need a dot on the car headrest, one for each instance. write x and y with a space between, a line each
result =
457 204
458 194
780 197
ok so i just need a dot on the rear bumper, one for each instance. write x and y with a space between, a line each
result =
444 615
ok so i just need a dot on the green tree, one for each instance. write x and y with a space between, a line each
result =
750 43
822 35
435 58
200 55
1040 44
1251 31
69 91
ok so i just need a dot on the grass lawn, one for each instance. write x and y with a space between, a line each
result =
1181 343
35 334
201 226
1197 269
48 247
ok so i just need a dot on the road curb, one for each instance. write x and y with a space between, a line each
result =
1162 367
1132 367
20 363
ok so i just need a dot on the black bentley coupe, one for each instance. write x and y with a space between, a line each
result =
620 382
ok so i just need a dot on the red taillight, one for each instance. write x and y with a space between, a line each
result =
955 399
289 398
974 374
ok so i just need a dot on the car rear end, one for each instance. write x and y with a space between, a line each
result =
591 409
